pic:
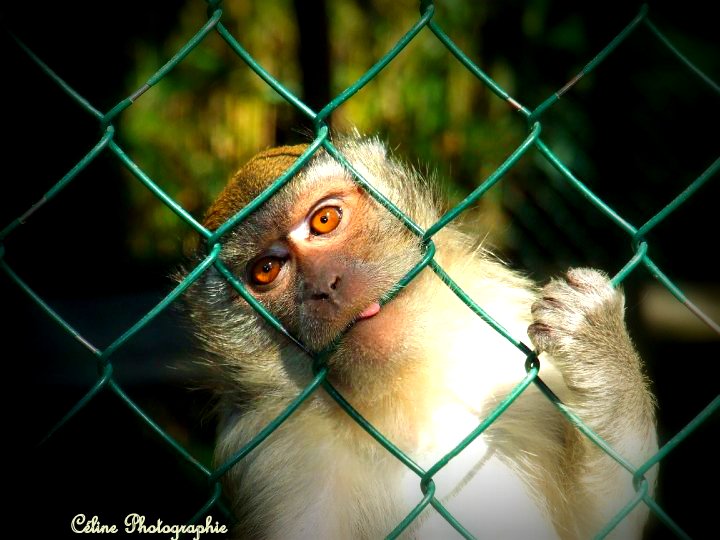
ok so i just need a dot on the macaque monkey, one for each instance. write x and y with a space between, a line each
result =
422 368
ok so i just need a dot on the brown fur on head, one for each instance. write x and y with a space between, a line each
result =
249 181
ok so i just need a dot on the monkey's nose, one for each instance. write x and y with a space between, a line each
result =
324 288
319 295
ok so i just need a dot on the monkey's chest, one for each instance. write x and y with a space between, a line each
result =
475 485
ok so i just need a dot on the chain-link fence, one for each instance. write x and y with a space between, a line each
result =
108 144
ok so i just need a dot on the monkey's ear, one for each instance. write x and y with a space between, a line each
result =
249 181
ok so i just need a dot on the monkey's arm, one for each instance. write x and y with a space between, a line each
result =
579 322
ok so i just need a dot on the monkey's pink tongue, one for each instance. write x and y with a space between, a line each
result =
369 311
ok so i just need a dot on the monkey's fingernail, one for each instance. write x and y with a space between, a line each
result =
576 282
370 311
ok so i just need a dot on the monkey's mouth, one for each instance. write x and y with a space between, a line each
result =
370 311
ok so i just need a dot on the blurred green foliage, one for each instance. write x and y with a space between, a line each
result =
205 118
212 113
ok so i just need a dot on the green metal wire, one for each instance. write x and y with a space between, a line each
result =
680 199
163 304
487 184
668 447
596 201
475 70
214 241
164 70
164 435
85 104
155 189
49 311
602 55
684 59
677 293
379 66
97 387
640 495
271 189
414 513
263 74
272 426
64 181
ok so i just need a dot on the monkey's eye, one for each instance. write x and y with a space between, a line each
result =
325 220
264 270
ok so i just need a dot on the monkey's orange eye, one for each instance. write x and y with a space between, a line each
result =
265 270
325 220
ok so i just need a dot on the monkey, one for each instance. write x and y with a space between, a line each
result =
422 368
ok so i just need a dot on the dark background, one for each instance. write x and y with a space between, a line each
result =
638 131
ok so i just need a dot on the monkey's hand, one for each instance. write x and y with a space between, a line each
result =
579 321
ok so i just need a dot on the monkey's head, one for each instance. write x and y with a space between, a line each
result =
319 255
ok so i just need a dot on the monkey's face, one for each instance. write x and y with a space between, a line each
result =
318 257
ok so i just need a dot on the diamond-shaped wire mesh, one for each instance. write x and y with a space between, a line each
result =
108 144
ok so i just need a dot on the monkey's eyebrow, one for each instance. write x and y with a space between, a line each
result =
333 195
275 249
